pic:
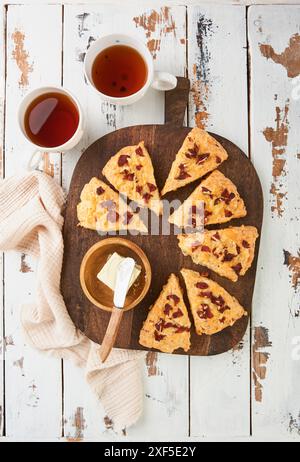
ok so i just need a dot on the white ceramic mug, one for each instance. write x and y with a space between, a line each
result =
39 151
162 81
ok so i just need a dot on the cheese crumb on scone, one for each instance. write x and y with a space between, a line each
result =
131 172
167 326
213 308
229 252
215 200
102 209
199 154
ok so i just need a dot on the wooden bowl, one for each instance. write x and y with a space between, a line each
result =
95 258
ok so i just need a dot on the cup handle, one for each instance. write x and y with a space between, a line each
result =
163 81
34 160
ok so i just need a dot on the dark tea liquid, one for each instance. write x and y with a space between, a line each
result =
119 71
51 120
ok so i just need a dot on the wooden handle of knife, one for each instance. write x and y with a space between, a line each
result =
111 333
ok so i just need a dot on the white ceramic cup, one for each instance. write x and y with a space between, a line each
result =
39 151
162 81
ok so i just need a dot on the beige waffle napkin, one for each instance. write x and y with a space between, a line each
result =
31 222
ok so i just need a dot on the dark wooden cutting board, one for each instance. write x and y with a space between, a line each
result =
162 141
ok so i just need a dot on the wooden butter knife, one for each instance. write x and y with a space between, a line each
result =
123 278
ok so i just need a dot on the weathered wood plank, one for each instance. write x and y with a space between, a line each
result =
164 30
217 69
33 382
220 402
275 112
154 3
2 94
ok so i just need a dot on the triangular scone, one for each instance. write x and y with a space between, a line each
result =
199 154
102 209
215 200
229 252
131 172
213 308
167 326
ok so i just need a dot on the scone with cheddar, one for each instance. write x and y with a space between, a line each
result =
229 252
131 172
167 326
213 308
215 200
199 154
102 209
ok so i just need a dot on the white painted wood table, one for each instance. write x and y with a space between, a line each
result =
244 66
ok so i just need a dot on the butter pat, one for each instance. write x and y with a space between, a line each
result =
108 273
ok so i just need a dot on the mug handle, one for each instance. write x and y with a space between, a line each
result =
163 81
34 160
